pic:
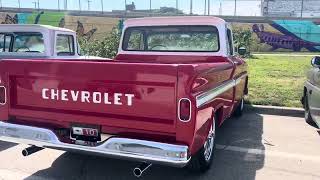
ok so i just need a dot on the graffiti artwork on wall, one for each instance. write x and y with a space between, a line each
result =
47 18
293 35
81 31
10 20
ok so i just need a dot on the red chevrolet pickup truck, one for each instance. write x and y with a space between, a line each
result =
174 81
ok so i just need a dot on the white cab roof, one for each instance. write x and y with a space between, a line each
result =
30 28
175 20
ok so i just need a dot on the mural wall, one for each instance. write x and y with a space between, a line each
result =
88 27
284 35
279 35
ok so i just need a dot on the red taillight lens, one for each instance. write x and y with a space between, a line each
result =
2 95
184 109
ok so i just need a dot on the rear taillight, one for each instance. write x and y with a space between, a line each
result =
3 97
184 110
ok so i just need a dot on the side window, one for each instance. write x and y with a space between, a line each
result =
65 45
135 41
230 43
5 42
2 43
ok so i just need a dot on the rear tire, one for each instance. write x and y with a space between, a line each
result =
307 114
202 160
239 110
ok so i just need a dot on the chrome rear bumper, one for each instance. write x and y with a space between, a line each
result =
123 148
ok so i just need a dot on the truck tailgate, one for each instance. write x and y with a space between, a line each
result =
109 94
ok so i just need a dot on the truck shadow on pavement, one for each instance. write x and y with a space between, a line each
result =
232 161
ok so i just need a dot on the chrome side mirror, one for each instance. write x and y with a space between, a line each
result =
315 62
242 51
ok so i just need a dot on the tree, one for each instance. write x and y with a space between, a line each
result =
107 47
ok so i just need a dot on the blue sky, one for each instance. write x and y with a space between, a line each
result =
245 7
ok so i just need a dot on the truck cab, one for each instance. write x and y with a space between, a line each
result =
37 41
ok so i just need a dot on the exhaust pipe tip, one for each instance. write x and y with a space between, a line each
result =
138 171
25 152
30 150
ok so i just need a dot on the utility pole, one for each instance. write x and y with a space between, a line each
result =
38 4
205 7
267 7
102 6
35 4
235 7
191 4
262 8
302 1
19 4
89 1
125 8
79 5
209 7
150 6
177 6
59 5
65 5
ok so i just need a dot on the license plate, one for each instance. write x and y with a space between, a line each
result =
85 133
81 131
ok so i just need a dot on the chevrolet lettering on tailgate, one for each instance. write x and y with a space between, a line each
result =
87 97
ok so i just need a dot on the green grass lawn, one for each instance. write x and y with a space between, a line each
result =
277 81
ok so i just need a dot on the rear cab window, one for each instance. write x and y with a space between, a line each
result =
65 45
172 39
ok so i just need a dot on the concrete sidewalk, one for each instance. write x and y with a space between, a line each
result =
275 110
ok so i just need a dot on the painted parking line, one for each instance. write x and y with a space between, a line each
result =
269 153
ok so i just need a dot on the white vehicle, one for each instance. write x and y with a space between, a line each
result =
38 41
311 94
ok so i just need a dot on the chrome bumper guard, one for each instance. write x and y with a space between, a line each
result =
121 148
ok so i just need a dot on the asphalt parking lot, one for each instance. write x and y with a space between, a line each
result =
255 146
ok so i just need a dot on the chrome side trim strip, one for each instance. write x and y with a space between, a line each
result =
238 80
115 147
208 96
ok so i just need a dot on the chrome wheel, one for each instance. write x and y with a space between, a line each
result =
209 144
241 104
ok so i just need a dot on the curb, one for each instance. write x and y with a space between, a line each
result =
275 110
